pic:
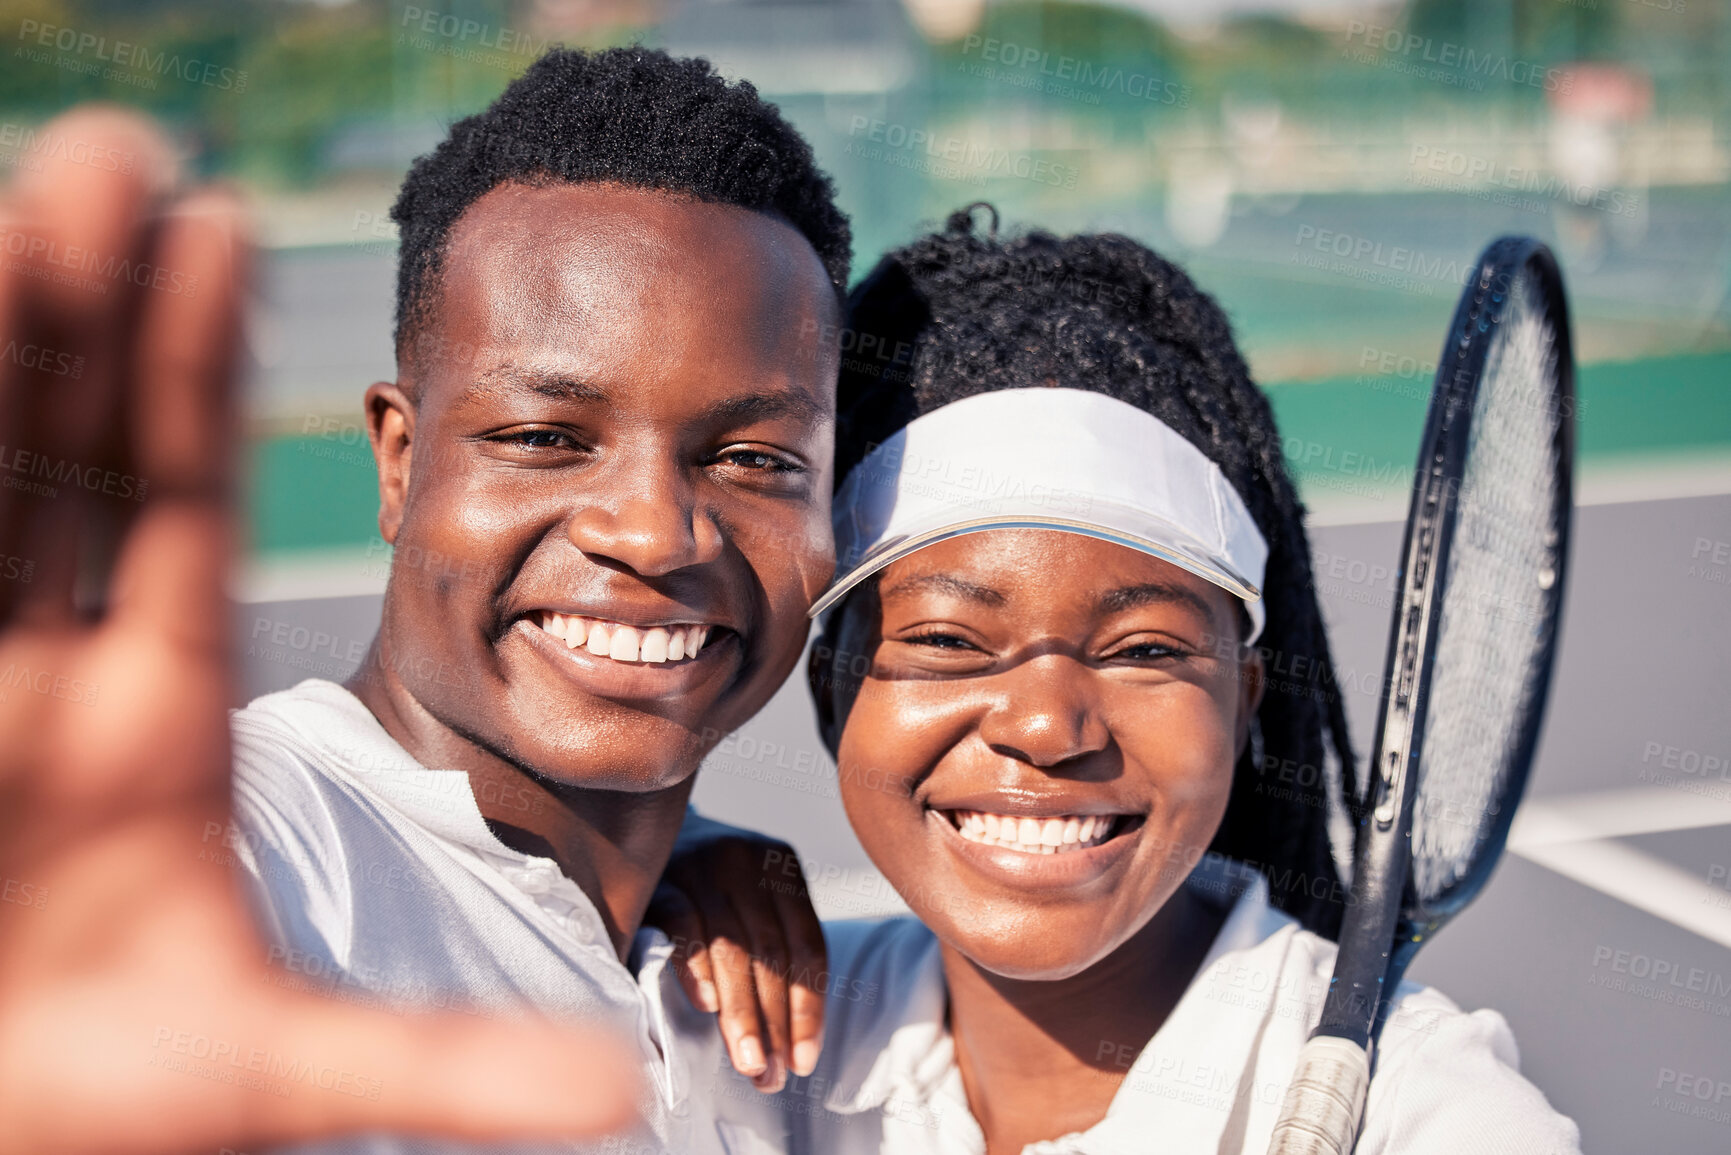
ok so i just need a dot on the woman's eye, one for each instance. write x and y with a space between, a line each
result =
940 641
1147 652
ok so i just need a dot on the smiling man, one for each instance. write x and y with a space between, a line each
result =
612 428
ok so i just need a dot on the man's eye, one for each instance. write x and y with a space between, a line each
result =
541 438
537 438
756 459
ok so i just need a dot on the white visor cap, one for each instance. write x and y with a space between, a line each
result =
1047 458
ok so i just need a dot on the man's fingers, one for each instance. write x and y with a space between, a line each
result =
772 1004
808 965
189 344
174 565
11 420
90 191
717 973
739 1021
78 244
673 912
731 970
805 1012
475 1079
769 971
701 968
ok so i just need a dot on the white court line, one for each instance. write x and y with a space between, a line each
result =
1615 814
350 571
1575 836
1572 835
1644 882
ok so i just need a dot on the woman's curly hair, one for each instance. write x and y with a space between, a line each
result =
958 313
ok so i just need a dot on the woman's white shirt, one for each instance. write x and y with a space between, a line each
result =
1211 1080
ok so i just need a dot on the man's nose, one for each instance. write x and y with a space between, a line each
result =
642 511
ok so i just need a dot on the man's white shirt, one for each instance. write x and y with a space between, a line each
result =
1210 1082
379 881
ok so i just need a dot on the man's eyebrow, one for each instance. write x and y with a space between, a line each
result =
749 408
559 386
943 583
1152 593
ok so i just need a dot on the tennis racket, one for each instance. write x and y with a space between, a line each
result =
1469 664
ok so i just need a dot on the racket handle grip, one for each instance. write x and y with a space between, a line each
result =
1325 1101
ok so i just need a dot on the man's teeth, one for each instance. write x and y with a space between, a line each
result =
625 643
1034 835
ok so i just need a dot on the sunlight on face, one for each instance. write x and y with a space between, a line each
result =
1044 742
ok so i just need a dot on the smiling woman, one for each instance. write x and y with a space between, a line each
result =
1051 729
1164 422
1071 727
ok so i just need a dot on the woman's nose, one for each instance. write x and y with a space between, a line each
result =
1046 715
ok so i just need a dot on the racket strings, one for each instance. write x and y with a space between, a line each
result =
1496 614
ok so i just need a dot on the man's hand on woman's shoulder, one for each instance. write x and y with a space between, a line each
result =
748 945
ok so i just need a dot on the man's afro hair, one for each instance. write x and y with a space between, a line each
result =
630 116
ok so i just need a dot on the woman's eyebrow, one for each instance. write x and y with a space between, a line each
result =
1152 593
943 583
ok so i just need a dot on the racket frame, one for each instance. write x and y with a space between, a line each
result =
1384 851
1419 920
1384 924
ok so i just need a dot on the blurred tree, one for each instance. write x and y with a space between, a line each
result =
321 66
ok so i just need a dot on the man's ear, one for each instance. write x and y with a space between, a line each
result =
391 429
1250 688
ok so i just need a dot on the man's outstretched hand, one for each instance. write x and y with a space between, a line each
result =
136 1010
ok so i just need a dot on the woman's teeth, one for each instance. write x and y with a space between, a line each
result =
624 643
1034 835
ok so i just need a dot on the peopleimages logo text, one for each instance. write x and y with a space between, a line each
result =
1071 75
970 160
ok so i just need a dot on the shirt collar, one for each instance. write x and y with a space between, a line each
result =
344 738
356 748
907 1055
368 758
1194 1076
